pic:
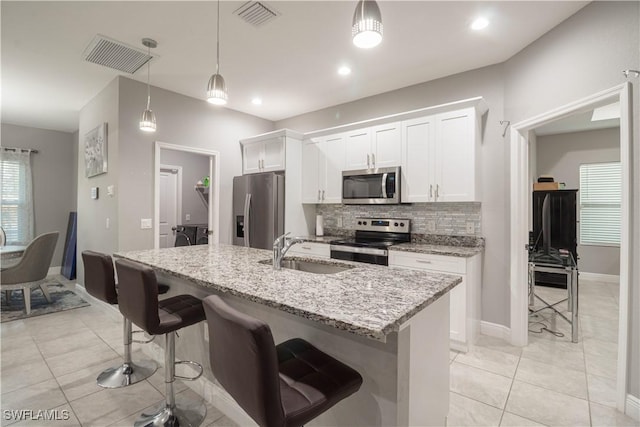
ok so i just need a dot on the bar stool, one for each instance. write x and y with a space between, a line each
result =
278 386
139 302
100 283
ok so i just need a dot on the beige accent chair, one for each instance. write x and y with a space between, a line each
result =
31 271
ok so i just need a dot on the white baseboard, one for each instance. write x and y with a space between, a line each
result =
608 278
109 309
495 330
54 270
633 407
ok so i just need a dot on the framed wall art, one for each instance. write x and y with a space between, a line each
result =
95 151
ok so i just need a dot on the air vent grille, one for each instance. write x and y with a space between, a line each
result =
256 13
114 54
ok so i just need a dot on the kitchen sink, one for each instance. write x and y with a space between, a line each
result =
309 266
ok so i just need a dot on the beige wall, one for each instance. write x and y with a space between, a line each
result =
561 156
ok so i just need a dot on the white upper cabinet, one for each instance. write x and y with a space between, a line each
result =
322 165
358 149
456 153
373 147
386 145
440 158
263 156
418 150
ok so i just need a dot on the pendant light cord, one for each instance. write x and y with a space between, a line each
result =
218 41
148 78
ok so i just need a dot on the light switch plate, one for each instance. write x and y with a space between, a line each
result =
471 228
187 217
145 223
111 190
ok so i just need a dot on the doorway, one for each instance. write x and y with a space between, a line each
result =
201 192
170 203
521 183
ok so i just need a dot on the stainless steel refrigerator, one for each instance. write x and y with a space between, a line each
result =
258 209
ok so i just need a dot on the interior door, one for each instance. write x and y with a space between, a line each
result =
168 206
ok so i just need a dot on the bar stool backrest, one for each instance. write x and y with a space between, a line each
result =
138 295
99 280
244 360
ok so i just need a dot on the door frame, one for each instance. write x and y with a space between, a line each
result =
178 170
520 189
213 217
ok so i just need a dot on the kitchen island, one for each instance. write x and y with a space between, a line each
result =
390 325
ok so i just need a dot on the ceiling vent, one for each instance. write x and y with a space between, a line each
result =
114 54
256 13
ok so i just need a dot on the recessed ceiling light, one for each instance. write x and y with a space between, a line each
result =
479 24
344 70
256 101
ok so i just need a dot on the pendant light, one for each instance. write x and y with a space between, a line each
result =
217 89
148 119
367 25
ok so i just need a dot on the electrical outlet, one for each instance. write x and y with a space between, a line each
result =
187 217
145 223
471 228
431 226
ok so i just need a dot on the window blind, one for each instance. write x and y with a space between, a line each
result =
600 199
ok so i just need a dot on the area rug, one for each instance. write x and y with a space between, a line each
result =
62 299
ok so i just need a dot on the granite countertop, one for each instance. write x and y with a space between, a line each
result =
368 300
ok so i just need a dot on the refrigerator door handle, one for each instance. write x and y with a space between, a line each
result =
247 206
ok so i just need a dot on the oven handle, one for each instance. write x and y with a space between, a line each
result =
384 185
358 250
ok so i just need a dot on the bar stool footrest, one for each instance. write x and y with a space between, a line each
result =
192 363
153 337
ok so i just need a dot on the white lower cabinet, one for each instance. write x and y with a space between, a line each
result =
464 311
313 249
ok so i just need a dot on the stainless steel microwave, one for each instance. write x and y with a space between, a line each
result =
371 186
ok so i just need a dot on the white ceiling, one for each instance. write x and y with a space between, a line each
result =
290 62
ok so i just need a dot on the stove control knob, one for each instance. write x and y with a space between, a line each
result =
395 224
359 222
402 224
364 222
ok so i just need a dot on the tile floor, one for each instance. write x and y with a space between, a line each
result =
51 362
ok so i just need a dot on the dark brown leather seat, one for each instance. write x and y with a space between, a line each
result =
278 386
139 302
99 281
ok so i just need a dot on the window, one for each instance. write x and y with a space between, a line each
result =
16 197
600 197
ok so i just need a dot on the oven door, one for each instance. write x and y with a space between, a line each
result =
352 253
377 186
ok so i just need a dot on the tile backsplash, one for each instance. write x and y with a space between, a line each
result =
426 218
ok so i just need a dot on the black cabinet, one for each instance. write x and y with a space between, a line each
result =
563 228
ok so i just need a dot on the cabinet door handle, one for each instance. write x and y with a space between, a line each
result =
422 261
306 247
437 191
322 194
430 191
373 160
368 162
319 195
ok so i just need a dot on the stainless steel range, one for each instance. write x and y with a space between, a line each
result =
373 237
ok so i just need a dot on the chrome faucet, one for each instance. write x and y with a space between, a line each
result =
280 247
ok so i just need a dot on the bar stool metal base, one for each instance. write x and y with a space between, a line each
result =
186 413
127 374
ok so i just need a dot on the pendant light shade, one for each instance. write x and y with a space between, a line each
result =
217 88
367 25
148 119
